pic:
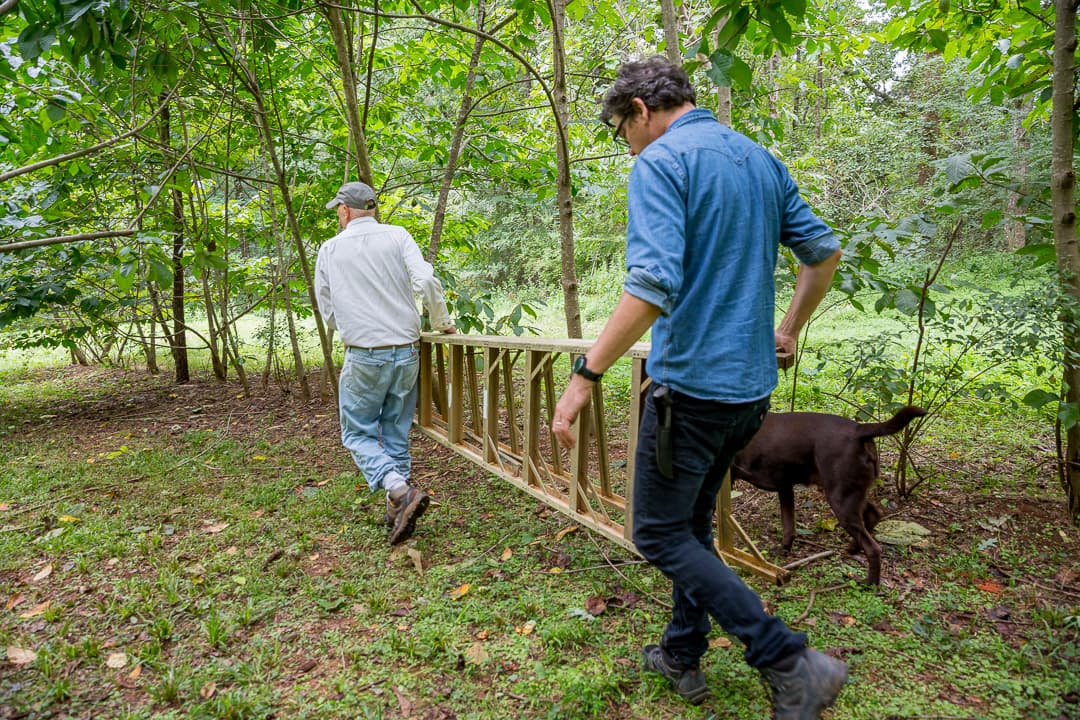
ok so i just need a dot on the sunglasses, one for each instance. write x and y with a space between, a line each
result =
619 138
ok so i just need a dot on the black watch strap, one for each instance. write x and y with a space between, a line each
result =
581 369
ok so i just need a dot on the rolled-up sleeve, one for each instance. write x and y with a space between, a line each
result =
656 231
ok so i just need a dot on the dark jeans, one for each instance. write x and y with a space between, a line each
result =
673 530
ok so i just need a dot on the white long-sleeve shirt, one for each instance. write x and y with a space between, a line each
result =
367 278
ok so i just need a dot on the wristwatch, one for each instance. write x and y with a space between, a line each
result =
580 369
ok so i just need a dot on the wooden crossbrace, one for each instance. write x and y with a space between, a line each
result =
450 380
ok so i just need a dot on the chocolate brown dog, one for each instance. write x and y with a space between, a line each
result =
832 452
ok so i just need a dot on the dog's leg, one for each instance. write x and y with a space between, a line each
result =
850 512
872 514
787 515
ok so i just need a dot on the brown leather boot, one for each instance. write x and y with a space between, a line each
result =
402 514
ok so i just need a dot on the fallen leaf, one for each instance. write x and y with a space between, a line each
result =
555 570
719 642
20 656
507 553
14 600
116 660
42 574
476 654
526 629
211 529
901 532
460 592
257 513
207 691
990 586
828 524
54 533
322 482
564 532
417 559
403 702
596 605
68 519
135 672
258 458
36 610
4 507
482 635
231 550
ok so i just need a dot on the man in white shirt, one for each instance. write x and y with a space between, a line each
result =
366 280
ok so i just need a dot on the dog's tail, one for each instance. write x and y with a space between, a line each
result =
893 425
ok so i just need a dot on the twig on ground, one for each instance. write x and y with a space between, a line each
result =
658 601
370 685
1026 580
604 566
1062 591
809 559
813 596
497 544
273 556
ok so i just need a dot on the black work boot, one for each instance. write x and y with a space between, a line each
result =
810 685
688 682
402 512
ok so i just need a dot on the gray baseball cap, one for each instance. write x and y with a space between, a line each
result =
355 195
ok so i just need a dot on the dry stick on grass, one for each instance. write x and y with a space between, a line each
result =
813 595
809 559
604 566
658 601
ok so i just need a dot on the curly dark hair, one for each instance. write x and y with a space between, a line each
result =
659 83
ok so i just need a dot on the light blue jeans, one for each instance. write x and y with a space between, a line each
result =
376 401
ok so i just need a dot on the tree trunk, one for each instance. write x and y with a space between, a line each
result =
147 344
1015 237
1062 187
671 31
286 295
562 151
213 332
455 142
262 121
723 94
348 82
271 339
773 65
819 96
177 338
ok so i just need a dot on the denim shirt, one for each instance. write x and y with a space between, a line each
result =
708 208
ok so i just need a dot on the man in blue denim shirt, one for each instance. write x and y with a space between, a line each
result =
708 209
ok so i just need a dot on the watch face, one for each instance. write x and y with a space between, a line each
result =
579 363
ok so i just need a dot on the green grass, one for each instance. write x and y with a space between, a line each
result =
226 547
232 558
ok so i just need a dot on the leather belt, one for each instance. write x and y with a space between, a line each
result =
382 347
